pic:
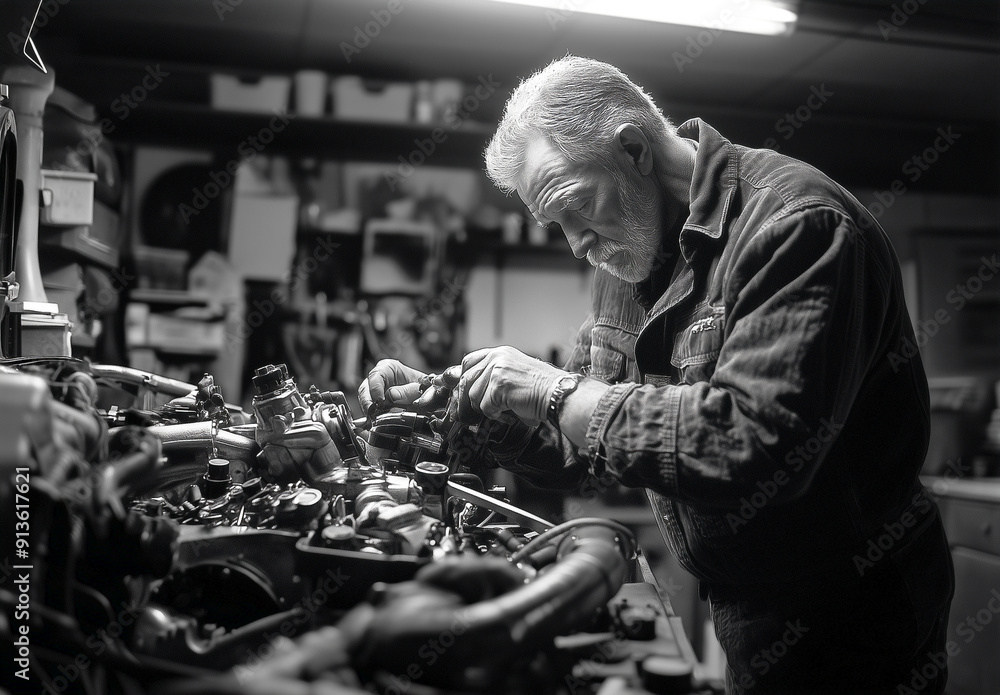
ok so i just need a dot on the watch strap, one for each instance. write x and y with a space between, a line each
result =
564 386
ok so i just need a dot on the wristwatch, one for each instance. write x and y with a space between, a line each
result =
565 385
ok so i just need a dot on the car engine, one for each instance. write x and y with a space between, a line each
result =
173 543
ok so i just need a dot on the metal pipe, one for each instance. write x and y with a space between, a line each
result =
127 375
197 437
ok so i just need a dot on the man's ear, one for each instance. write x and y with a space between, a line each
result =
633 142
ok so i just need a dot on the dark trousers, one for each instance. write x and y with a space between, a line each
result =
878 630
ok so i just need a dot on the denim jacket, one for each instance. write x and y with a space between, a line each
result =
762 400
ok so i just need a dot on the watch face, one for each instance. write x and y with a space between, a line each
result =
568 382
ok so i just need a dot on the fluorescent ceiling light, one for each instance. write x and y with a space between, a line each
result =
769 17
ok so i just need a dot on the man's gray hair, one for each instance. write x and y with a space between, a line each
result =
577 104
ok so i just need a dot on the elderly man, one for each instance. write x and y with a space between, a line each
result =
742 365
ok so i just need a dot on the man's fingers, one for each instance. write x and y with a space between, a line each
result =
364 396
480 387
490 402
474 358
404 394
376 385
449 377
474 378
389 382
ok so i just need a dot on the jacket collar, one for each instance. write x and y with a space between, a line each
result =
713 184
713 187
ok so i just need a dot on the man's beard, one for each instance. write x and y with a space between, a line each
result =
641 222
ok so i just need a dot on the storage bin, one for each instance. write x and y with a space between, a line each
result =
184 334
99 242
170 332
161 269
357 99
67 197
260 95
310 92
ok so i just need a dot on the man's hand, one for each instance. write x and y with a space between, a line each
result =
499 380
390 384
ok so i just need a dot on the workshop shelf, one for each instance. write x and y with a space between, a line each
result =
230 132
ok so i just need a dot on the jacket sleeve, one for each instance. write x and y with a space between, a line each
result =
542 455
803 317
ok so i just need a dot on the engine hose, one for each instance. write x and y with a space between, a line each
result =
134 470
590 570
196 437
88 428
549 534
506 538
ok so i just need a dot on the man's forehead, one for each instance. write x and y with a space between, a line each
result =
547 175
542 161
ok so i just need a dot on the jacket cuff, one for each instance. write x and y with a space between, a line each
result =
607 407
621 442
666 472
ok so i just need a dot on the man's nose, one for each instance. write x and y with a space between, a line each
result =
580 240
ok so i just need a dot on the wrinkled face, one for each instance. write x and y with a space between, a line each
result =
615 220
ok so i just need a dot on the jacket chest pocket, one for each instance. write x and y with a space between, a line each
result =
611 354
697 345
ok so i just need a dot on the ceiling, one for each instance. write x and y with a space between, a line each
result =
893 71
